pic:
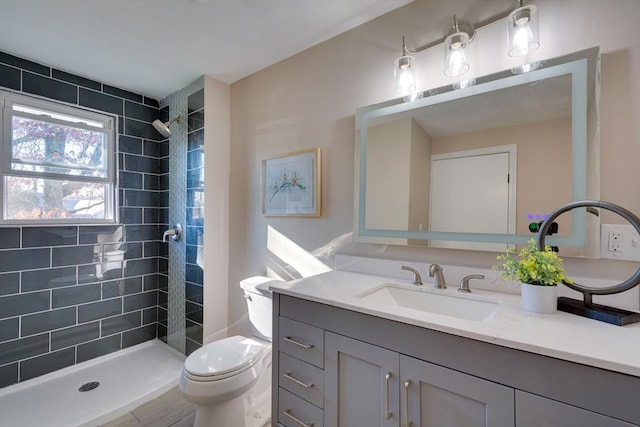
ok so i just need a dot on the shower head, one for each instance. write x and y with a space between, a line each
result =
163 128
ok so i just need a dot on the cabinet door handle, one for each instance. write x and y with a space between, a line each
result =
387 414
288 376
287 412
408 422
299 344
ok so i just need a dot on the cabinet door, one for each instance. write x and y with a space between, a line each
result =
361 384
433 396
536 411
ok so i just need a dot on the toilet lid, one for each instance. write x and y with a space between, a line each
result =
224 356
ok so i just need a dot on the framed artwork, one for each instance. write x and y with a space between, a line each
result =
291 184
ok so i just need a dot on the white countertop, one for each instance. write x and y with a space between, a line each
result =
560 335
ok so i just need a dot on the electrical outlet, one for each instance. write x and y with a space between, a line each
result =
615 241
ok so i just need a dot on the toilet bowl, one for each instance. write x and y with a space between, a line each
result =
230 379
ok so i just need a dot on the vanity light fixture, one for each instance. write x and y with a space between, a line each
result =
522 26
404 73
455 51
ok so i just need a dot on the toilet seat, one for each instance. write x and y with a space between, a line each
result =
223 359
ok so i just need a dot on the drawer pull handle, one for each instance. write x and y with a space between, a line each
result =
287 412
299 344
407 383
288 376
387 414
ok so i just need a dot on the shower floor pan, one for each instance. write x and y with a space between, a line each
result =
127 379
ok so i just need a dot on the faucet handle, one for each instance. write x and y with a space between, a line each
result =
417 279
464 284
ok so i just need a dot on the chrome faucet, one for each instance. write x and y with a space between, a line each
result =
417 279
436 270
464 284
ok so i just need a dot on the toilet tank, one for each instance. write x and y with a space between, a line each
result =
258 297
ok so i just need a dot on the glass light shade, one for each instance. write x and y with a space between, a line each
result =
455 56
522 25
404 75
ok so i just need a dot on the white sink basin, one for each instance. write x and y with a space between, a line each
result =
468 307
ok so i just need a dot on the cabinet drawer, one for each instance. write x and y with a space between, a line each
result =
302 379
302 341
296 412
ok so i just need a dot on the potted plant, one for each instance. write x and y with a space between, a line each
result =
538 271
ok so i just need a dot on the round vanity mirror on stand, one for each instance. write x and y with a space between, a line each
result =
586 307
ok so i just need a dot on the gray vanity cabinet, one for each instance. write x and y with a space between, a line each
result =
361 384
435 396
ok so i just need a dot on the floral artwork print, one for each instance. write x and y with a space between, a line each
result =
290 184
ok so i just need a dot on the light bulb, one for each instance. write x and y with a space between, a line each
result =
522 37
455 58
523 33
404 75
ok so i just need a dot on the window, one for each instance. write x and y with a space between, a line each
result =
58 163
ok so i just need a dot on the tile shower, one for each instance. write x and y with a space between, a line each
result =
61 301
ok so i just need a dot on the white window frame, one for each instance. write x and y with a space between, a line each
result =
109 123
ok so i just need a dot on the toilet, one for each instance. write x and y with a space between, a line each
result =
230 379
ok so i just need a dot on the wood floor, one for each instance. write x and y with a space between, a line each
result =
167 410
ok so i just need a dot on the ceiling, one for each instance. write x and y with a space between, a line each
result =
155 47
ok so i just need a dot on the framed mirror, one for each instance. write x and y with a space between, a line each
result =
479 167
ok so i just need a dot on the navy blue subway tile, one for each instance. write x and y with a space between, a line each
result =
163 216
98 348
163 299
150 282
152 216
24 259
151 182
92 273
163 265
49 88
152 148
130 180
47 321
194 274
75 255
114 325
16 305
131 215
195 178
162 332
193 312
140 267
9 329
141 198
129 144
192 252
151 249
140 301
101 234
151 102
120 287
163 166
99 310
195 101
12 351
195 140
133 250
24 64
75 335
76 80
195 159
138 335
149 315
163 148
195 235
140 129
140 112
143 232
164 114
163 282
193 331
46 363
164 182
75 295
163 315
9 283
49 236
100 101
194 293
8 375
9 77
195 121
35 280
135 163
190 346
122 93
121 129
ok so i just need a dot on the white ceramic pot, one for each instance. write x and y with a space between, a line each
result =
539 299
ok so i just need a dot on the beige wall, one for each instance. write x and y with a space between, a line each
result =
309 100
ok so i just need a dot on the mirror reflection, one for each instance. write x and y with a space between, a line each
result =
475 168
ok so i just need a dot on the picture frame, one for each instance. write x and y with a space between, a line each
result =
291 184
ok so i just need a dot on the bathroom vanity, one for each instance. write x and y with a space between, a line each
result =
344 359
